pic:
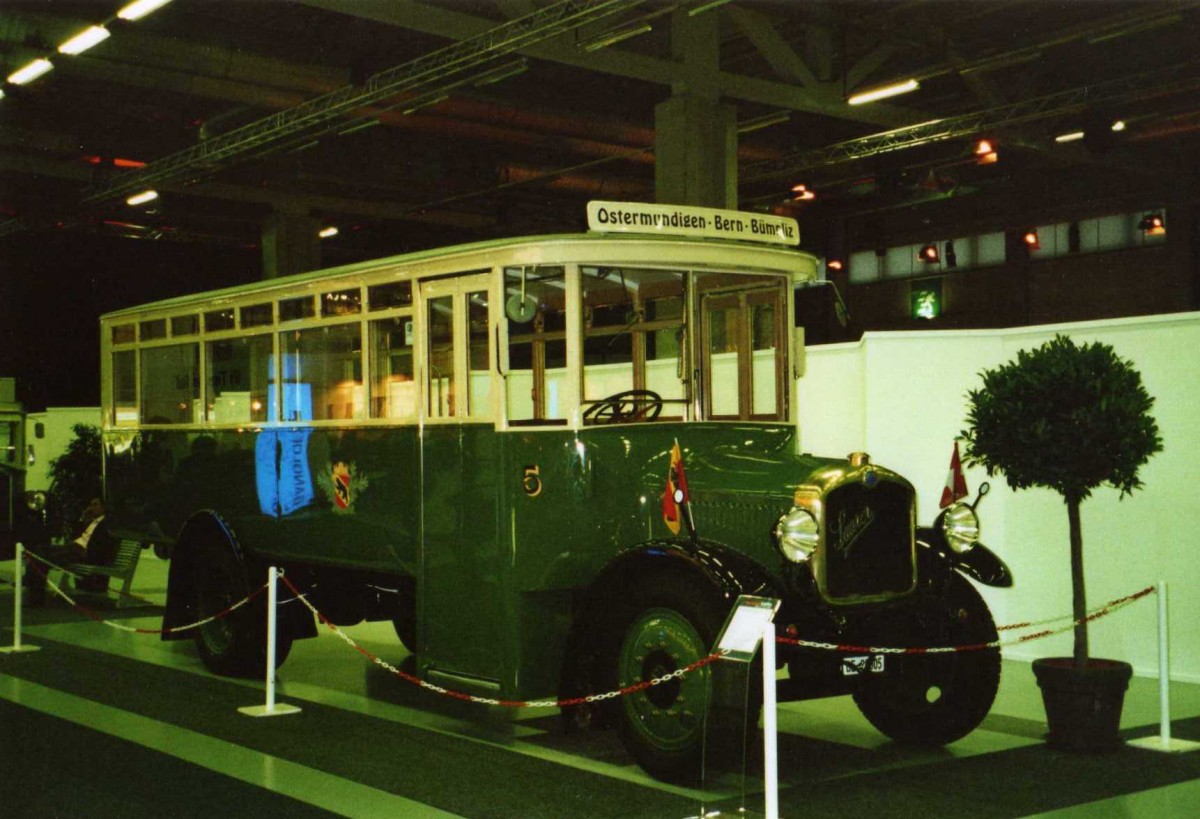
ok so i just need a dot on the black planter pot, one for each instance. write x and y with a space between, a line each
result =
1083 703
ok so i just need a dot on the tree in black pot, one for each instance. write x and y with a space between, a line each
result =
1069 418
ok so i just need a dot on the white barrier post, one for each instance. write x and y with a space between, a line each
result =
18 573
1164 742
270 709
770 738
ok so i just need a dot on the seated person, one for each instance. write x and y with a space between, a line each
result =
93 543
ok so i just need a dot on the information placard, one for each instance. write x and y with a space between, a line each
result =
743 629
681 220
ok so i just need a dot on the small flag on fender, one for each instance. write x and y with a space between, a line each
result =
956 484
675 496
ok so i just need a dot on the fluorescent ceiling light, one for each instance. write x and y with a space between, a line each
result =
705 6
30 71
84 40
614 36
766 121
142 198
1074 136
884 92
325 233
140 8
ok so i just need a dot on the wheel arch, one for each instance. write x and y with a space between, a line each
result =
720 570
200 529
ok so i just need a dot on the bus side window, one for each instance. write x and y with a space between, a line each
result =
535 301
393 390
322 373
124 388
634 336
171 384
238 379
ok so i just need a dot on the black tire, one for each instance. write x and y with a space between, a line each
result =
234 645
935 699
668 624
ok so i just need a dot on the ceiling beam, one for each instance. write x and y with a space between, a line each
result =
445 22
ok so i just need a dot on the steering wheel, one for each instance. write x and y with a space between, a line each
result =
626 407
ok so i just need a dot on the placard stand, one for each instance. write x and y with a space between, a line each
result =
749 624
270 708
18 572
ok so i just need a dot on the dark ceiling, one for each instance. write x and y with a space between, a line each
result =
241 108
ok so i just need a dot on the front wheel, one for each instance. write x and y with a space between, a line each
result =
667 627
233 644
935 699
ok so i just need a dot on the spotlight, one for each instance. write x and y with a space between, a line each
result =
884 92
1152 224
142 198
1030 239
929 254
985 152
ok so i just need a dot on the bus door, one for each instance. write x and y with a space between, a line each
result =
459 595
743 354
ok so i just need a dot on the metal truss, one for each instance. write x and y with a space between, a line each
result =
427 76
1124 90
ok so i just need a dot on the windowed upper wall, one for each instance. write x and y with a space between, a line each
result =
1097 235
350 354
162 372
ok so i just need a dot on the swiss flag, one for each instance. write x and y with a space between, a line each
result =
956 484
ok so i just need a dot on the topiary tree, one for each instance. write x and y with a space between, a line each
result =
74 479
1069 418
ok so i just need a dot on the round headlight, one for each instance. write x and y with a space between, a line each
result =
797 534
961 527
35 501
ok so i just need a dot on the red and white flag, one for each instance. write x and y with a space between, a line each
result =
956 484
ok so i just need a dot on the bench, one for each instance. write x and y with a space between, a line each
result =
122 567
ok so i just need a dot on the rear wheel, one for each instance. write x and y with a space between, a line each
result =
235 643
934 699
667 628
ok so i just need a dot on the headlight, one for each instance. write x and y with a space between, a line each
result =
961 527
797 534
35 501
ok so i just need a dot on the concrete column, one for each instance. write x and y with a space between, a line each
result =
695 134
289 244
695 152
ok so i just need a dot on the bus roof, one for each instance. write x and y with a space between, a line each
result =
581 248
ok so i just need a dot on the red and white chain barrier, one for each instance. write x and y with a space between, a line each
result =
459 695
47 567
1094 614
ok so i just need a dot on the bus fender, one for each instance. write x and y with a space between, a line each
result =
979 562
711 565
199 531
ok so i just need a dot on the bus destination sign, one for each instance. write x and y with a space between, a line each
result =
679 220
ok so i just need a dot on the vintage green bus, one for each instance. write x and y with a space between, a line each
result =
474 443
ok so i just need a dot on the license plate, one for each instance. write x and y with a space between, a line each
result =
866 664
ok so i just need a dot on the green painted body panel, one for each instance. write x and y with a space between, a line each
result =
502 530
